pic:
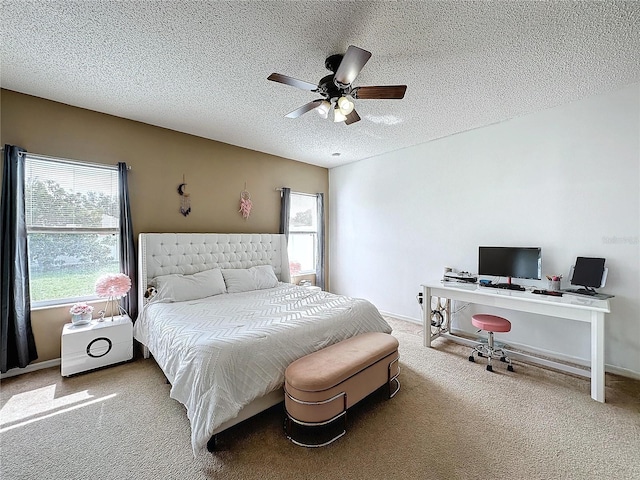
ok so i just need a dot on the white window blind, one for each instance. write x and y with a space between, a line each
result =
303 233
72 216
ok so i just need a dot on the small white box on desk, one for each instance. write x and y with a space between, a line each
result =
96 344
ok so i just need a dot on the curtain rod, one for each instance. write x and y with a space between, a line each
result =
70 160
299 193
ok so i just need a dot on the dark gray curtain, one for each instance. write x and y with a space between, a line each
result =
128 264
18 347
320 257
285 210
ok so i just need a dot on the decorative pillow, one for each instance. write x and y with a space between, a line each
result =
265 276
247 279
239 280
179 288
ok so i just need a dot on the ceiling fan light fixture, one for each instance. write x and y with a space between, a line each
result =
338 116
346 105
323 109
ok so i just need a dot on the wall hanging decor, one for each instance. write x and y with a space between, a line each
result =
245 203
185 200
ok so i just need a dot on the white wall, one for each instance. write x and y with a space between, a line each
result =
566 179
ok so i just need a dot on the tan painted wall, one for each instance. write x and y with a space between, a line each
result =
215 174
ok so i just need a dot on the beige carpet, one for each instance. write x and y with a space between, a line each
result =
451 420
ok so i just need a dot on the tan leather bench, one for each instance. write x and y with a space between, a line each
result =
321 386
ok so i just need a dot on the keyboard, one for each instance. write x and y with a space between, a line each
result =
581 291
552 293
504 286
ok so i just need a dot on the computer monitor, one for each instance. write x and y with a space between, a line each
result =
589 272
516 262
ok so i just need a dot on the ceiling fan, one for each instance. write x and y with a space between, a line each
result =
337 91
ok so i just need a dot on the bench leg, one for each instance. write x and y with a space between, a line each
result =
393 379
306 432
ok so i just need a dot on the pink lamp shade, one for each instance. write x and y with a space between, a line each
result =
113 285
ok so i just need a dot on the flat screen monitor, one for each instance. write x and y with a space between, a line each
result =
588 272
517 262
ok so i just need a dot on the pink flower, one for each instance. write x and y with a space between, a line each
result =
80 309
294 268
114 285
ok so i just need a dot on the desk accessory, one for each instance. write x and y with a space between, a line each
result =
554 282
460 277
552 293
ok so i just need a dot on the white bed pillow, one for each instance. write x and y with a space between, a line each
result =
180 288
247 279
239 280
265 276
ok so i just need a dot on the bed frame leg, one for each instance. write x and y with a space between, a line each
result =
211 444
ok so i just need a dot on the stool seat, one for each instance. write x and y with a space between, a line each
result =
491 323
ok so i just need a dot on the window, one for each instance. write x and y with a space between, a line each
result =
73 228
303 233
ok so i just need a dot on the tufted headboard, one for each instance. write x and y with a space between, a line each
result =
188 253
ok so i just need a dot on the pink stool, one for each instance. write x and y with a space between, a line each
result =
490 324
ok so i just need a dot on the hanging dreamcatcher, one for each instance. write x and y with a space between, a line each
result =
185 200
245 203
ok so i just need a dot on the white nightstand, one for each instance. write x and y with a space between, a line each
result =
96 344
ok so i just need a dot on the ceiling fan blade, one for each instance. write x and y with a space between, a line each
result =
351 64
353 117
385 91
304 109
294 82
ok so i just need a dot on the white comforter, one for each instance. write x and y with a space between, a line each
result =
220 353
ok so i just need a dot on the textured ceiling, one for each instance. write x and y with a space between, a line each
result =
202 67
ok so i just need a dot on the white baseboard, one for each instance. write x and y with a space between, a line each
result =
623 372
401 317
31 368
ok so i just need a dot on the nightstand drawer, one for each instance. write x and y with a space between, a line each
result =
97 344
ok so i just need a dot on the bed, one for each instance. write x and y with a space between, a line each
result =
224 347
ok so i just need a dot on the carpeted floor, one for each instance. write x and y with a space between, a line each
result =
451 420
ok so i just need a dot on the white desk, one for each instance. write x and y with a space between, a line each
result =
572 307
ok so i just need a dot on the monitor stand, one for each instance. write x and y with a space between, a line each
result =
584 291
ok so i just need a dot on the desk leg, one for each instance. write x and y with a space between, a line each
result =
426 316
448 314
597 356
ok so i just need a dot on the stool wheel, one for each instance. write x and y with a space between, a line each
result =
510 368
471 359
503 359
489 368
480 354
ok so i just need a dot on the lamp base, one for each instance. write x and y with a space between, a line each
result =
113 307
